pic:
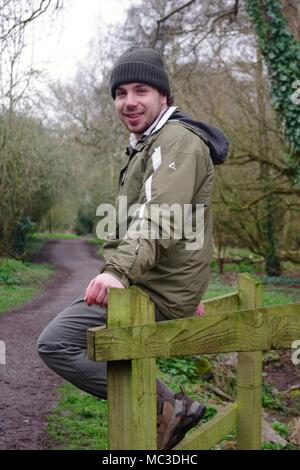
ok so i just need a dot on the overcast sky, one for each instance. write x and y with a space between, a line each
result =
60 49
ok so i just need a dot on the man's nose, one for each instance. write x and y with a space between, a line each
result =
131 100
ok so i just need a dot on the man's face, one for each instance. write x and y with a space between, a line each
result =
138 105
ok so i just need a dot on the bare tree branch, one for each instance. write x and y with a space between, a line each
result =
249 157
175 11
165 18
44 5
232 13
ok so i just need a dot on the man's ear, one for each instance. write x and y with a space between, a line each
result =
164 98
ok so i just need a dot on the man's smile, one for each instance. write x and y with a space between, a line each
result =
132 117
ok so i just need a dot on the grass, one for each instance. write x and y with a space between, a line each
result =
269 400
276 291
78 422
96 241
55 235
280 296
20 281
216 289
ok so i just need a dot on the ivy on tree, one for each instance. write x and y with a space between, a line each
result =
282 55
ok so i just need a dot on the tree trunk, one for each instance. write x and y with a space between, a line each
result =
272 261
291 11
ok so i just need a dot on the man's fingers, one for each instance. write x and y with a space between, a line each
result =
200 310
97 290
93 292
101 296
88 289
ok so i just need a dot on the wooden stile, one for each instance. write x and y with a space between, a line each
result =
233 323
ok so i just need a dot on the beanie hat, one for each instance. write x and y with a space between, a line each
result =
142 65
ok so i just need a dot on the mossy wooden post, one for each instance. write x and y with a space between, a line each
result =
131 384
249 375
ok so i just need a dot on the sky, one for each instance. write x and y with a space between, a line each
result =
60 49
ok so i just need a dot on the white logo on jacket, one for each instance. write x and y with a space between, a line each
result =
156 158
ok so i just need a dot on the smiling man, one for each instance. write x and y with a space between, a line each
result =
138 105
170 161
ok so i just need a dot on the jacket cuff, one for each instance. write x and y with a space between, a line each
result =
114 272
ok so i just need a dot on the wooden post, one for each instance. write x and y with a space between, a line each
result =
131 384
249 375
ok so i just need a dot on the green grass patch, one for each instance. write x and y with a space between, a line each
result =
281 428
277 446
11 297
20 281
270 400
96 241
78 422
55 235
282 280
217 287
184 368
216 290
276 296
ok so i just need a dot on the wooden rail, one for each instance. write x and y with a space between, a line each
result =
233 323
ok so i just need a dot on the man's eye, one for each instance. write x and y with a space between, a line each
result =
142 90
120 93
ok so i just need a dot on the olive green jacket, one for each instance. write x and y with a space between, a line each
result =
172 165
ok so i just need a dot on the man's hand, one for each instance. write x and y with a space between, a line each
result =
200 310
97 290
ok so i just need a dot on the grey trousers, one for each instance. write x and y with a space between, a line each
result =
63 346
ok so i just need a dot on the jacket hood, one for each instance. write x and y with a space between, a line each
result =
212 136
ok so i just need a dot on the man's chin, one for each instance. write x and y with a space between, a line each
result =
137 129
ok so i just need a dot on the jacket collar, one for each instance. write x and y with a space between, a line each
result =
155 126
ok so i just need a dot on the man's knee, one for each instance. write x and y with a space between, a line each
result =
44 341
57 355
49 345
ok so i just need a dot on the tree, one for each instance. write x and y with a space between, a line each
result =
278 35
17 74
35 170
16 15
29 156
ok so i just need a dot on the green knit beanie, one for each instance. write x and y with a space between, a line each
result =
142 65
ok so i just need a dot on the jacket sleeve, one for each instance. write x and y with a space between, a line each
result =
173 173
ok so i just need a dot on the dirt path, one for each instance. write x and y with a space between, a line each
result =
27 386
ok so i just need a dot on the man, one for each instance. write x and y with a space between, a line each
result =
170 161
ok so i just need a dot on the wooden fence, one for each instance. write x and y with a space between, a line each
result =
233 323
